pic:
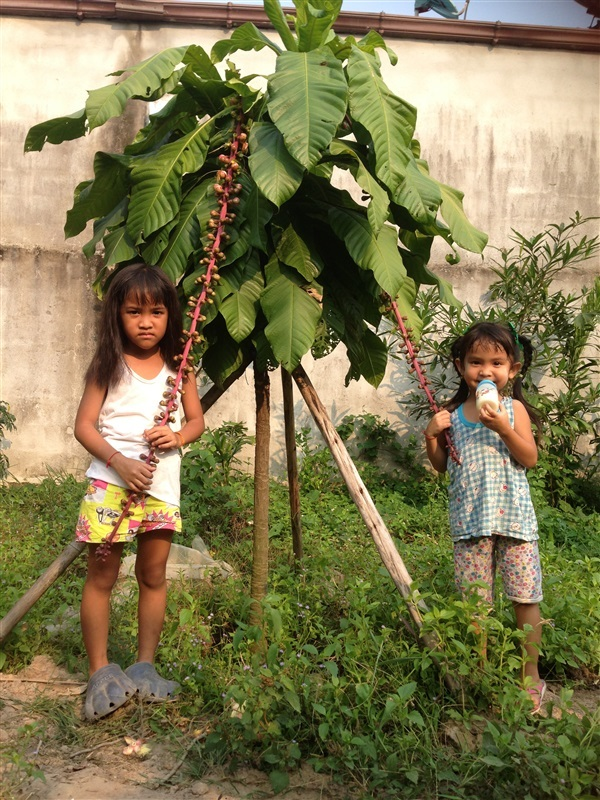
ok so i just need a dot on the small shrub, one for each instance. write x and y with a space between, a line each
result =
7 423
563 381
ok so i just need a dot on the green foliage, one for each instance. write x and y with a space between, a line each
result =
563 380
7 423
334 677
209 500
296 237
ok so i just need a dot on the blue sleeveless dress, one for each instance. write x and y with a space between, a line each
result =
488 492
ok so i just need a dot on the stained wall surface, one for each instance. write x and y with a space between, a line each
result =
515 129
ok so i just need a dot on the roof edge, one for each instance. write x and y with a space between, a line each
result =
226 15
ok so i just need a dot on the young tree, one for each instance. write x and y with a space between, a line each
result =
232 188
305 265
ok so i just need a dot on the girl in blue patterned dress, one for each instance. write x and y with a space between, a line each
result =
492 521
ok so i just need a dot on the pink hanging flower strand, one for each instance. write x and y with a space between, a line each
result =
226 191
411 356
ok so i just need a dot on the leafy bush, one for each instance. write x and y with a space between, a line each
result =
209 501
563 381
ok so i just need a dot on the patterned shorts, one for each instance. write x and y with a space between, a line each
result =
102 504
518 562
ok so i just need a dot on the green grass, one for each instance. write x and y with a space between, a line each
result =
334 678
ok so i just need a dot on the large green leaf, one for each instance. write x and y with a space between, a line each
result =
185 238
389 120
278 21
98 197
369 357
307 102
156 180
295 252
463 232
377 253
208 94
223 356
156 244
176 117
418 193
246 37
57 130
373 40
276 173
421 274
314 21
118 247
201 63
258 211
143 80
115 217
240 308
291 313
377 209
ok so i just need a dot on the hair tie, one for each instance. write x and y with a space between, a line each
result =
515 334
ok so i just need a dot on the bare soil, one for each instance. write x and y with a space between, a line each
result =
102 771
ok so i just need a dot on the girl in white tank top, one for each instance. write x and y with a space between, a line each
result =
130 373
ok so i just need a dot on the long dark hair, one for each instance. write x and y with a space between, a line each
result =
502 337
144 285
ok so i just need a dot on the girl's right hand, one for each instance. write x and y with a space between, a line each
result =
439 423
136 473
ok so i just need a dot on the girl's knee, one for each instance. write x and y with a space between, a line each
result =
151 576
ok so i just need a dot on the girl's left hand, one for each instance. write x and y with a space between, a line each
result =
497 421
161 437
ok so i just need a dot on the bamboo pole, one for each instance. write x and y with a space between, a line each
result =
260 549
292 463
359 493
46 579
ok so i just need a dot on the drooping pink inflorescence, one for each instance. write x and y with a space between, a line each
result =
415 366
226 191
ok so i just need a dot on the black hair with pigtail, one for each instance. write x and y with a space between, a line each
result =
502 336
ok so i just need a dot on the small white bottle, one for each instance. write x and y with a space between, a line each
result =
487 394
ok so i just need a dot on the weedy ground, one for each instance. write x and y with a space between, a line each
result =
335 681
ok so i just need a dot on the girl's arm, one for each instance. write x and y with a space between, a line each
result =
135 473
519 440
163 438
435 440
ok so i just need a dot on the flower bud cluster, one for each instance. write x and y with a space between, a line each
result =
227 191
411 351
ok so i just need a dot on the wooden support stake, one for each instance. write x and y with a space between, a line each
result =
292 463
46 579
359 493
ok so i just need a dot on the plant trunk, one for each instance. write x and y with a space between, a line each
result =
260 554
46 579
292 463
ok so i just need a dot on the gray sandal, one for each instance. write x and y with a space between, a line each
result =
150 685
108 689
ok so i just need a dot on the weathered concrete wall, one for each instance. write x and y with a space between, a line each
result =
515 129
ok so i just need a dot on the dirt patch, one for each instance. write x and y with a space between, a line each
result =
101 771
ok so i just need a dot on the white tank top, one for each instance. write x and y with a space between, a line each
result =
128 410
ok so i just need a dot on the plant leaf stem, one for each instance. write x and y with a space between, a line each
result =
412 357
226 191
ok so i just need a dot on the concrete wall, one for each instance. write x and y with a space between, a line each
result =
515 129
